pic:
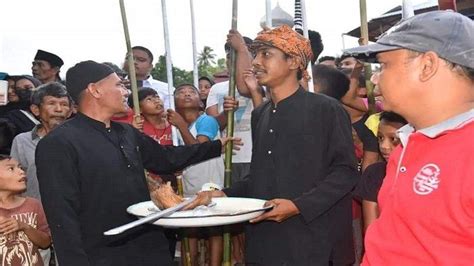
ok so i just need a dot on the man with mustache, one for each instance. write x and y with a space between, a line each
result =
302 162
51 104
46 66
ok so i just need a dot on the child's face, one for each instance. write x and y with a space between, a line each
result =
187 97
152 105
12 177
387 137
204 88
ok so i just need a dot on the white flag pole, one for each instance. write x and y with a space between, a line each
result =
195 63
268 13
169 67
407 9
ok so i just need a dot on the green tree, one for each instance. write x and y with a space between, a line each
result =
207 64
180 76
206 57
206 67
221 66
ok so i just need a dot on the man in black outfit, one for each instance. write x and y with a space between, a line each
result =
91 169
302 162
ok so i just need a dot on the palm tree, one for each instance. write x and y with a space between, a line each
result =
206 57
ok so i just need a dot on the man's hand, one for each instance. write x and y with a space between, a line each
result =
10 225
137 122
230 103
176 119
204 198
236 41
250 80
236 141
282 210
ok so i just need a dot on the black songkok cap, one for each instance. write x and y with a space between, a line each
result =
52 59
82 74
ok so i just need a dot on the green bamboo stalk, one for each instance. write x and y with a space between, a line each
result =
131 64
230 114
136 108
364 34
230 133
186 247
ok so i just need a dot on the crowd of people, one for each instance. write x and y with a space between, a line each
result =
349 182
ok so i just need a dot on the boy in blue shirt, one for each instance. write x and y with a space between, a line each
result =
194 127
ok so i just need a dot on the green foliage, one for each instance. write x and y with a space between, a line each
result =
206 67
180 76
206 57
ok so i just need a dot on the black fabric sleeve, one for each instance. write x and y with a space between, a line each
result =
370 182
60 194
366 136
342 175
169 159
238 189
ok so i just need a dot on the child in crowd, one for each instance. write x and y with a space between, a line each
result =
373 176
23 225
152 122
194 126
153 112
205 85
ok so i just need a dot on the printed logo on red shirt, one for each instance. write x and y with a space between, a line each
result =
426 180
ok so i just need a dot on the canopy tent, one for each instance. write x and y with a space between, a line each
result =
379 25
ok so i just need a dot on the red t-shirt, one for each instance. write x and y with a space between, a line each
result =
427 211
162 136
124 118
16 249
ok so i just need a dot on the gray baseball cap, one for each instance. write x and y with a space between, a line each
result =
447 33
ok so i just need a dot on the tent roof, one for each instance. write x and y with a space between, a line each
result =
380 24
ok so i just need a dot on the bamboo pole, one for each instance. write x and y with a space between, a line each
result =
169 66
193 30
202 257
364 33
186 248
227 258
169 74
174 135
131 64
230 114
131 70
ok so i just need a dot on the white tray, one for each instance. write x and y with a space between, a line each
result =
226 210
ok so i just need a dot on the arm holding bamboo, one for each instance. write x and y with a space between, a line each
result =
229 104
243 60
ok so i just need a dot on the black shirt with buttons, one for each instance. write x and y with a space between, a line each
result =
302 151
90 174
